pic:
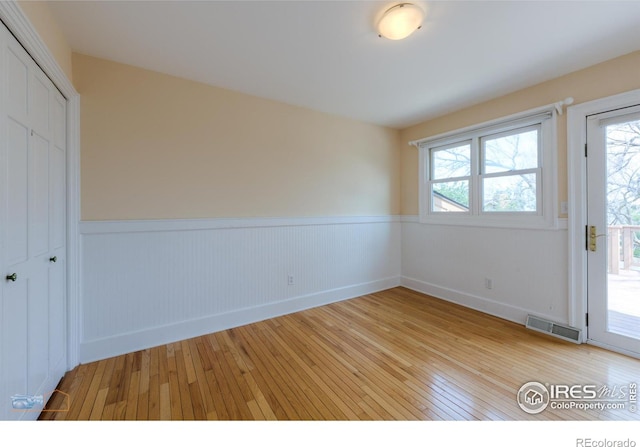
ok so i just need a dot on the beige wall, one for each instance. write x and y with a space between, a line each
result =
41 18
155 146
605 79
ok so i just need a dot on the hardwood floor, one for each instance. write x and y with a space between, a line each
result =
395 354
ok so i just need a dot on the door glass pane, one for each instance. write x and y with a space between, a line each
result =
623 220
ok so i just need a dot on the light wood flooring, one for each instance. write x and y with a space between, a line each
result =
392 355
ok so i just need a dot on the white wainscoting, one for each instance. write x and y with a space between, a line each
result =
527 268
145 283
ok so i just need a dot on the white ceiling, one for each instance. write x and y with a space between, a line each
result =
326 55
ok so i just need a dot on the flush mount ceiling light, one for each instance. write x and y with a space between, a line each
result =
400 21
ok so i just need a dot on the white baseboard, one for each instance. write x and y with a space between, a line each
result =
125 343
614 349
501 310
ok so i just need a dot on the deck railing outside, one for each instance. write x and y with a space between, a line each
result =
624 248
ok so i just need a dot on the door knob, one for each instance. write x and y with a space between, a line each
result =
54 259
12 277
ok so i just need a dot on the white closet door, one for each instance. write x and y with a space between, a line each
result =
57 237
33 232
37 267
16 228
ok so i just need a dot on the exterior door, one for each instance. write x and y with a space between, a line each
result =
32 162
613 229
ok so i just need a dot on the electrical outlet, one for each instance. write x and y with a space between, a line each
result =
488 283
291 280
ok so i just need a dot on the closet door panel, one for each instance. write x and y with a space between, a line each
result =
59 121
14 345
17 193
38 196
18 78
57 331
39 104
57 198
38 328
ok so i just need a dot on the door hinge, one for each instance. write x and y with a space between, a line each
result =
585 149
586 237
586 319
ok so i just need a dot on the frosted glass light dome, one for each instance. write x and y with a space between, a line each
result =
400 21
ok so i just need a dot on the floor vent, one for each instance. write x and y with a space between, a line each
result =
557 330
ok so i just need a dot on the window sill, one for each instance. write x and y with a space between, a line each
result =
502 222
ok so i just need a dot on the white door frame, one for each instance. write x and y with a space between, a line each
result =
18 23
577 184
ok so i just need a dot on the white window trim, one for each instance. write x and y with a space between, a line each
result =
546 218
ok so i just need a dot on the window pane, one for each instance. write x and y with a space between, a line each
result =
450 196
510 193
451 162
511 152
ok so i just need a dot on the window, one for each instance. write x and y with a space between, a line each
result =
510 171
450 177
500 173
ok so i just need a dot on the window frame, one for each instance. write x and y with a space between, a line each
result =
545 217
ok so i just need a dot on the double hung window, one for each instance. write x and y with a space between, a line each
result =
495 174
